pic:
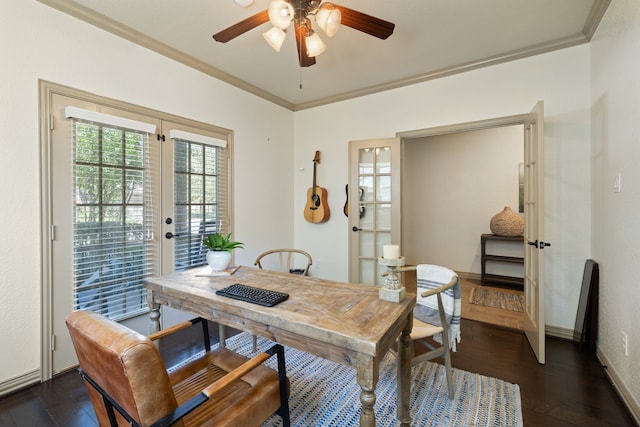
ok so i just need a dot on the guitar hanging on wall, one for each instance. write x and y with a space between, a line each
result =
316 210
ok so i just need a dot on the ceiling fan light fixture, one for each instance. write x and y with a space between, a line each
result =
315 45
275 37
328 18
280 13
243 3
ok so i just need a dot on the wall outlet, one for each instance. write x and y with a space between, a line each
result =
625 344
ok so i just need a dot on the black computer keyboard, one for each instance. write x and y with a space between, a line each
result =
253 295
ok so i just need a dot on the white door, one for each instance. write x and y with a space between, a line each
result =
194 193
374 205
534 231
102 243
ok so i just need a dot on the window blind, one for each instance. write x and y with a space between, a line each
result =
113 215
108 119
200 195
178 134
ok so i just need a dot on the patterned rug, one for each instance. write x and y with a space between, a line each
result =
497 299
324 393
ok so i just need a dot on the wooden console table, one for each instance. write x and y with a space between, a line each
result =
342 322
485 258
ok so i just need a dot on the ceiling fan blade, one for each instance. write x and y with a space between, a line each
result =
366 23
242 27
301 44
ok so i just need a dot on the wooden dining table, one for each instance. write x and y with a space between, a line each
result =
342 322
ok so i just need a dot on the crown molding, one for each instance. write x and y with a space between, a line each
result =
595 16
462 68
84 14
91 17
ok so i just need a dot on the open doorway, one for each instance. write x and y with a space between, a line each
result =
453 184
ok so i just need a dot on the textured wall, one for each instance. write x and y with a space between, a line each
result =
615 91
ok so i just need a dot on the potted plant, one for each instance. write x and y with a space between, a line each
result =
220 248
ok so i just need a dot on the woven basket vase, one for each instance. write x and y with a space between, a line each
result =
507 223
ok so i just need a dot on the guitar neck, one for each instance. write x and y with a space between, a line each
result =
314 178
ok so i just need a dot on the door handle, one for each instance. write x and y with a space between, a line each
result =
354 228
540 245
170 235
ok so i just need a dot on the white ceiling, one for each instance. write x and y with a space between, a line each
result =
432 38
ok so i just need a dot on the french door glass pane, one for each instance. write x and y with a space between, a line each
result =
197 213
375 208
111 225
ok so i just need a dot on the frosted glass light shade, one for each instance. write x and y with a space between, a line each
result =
280 13
315 45
275 37
328 18
244 3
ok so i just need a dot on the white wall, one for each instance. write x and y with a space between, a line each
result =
38 42
559 78
453 185
615 92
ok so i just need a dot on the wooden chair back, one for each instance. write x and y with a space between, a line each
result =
293 261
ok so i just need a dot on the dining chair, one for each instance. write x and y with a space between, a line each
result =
129 384
293 261
436 318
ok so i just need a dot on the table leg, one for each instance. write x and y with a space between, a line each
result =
367 376
154 313
405 352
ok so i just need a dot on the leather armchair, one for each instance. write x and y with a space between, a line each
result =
129 384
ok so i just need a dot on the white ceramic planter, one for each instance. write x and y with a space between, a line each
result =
218 260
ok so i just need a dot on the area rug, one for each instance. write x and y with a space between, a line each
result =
497 299
324 393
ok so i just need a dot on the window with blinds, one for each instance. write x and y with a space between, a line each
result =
200 195
112 218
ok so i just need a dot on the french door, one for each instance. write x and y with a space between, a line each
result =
534 325
130 196
374 206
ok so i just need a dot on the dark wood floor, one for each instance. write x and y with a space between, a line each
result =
570 390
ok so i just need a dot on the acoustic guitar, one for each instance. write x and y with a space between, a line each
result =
316 209
361 208
345 209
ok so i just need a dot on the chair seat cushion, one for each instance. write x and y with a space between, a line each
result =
247 402
423 330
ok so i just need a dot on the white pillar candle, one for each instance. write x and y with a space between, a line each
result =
391 251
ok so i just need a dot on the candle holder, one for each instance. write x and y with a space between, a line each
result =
392 290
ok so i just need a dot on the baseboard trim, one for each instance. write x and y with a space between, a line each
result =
469 276
557 332
620 387
19 382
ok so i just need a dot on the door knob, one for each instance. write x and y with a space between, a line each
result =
170 235
354 228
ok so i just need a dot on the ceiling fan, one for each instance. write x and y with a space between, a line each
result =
328 16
